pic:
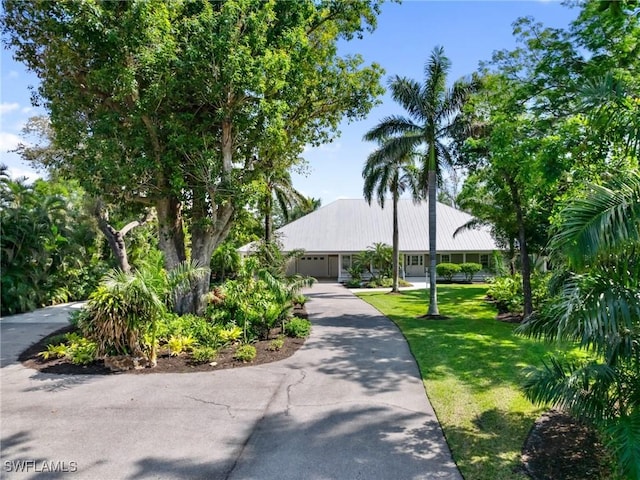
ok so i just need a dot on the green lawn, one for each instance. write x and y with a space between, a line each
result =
472 366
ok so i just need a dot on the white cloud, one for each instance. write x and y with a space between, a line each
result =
13 74
330 147
8 107
9 141
16 172
27 110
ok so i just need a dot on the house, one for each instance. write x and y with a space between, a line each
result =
333 234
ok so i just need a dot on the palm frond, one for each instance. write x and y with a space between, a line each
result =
407 92
391 126
607 217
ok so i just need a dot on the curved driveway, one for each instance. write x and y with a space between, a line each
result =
349 404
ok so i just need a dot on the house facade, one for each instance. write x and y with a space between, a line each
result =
332 235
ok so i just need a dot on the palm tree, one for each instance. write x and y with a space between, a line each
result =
433 110
384 174
278 184
597 305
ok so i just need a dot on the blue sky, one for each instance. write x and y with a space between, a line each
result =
469 31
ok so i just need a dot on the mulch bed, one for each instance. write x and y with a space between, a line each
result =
166 363
561 448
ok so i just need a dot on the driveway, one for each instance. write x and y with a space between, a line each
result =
349 404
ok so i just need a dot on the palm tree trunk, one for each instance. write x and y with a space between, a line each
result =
433 297
396 247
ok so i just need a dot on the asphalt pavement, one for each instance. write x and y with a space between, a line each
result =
349 404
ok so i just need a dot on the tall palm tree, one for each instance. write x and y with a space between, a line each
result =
382 174
433 110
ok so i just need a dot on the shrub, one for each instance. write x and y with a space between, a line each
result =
82 352
276 344
353 283
506 293
204 354
245 353
298 327
447 270
299 300
469 270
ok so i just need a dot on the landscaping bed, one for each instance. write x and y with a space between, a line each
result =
182 363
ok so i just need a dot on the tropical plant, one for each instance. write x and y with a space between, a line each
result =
276 183
596 304
126 306
225 261
383 173
298 327
433 110
50 252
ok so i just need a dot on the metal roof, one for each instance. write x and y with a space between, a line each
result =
352 225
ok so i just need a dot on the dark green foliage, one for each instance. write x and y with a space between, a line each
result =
506 292
50 250
447 270
298 327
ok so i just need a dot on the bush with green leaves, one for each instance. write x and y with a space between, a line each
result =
276 344
298 328
78 349
124 313
506 292
203 354
245 353
50 245
257 301
447 270
469 270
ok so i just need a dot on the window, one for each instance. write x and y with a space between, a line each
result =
415 260
484 261
445 258
346 262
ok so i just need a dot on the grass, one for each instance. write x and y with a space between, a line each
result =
472 366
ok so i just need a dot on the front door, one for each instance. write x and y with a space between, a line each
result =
414 265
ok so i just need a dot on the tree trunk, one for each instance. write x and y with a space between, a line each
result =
267 218
171 233
396 241
524 254
433 295
116 243
115 238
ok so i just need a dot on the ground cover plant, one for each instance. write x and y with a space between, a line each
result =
473 368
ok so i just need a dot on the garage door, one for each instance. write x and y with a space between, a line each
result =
314 265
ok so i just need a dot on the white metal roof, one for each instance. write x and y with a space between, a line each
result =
352 225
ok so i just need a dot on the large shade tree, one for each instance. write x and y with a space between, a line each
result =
385 174
432 110
170 104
